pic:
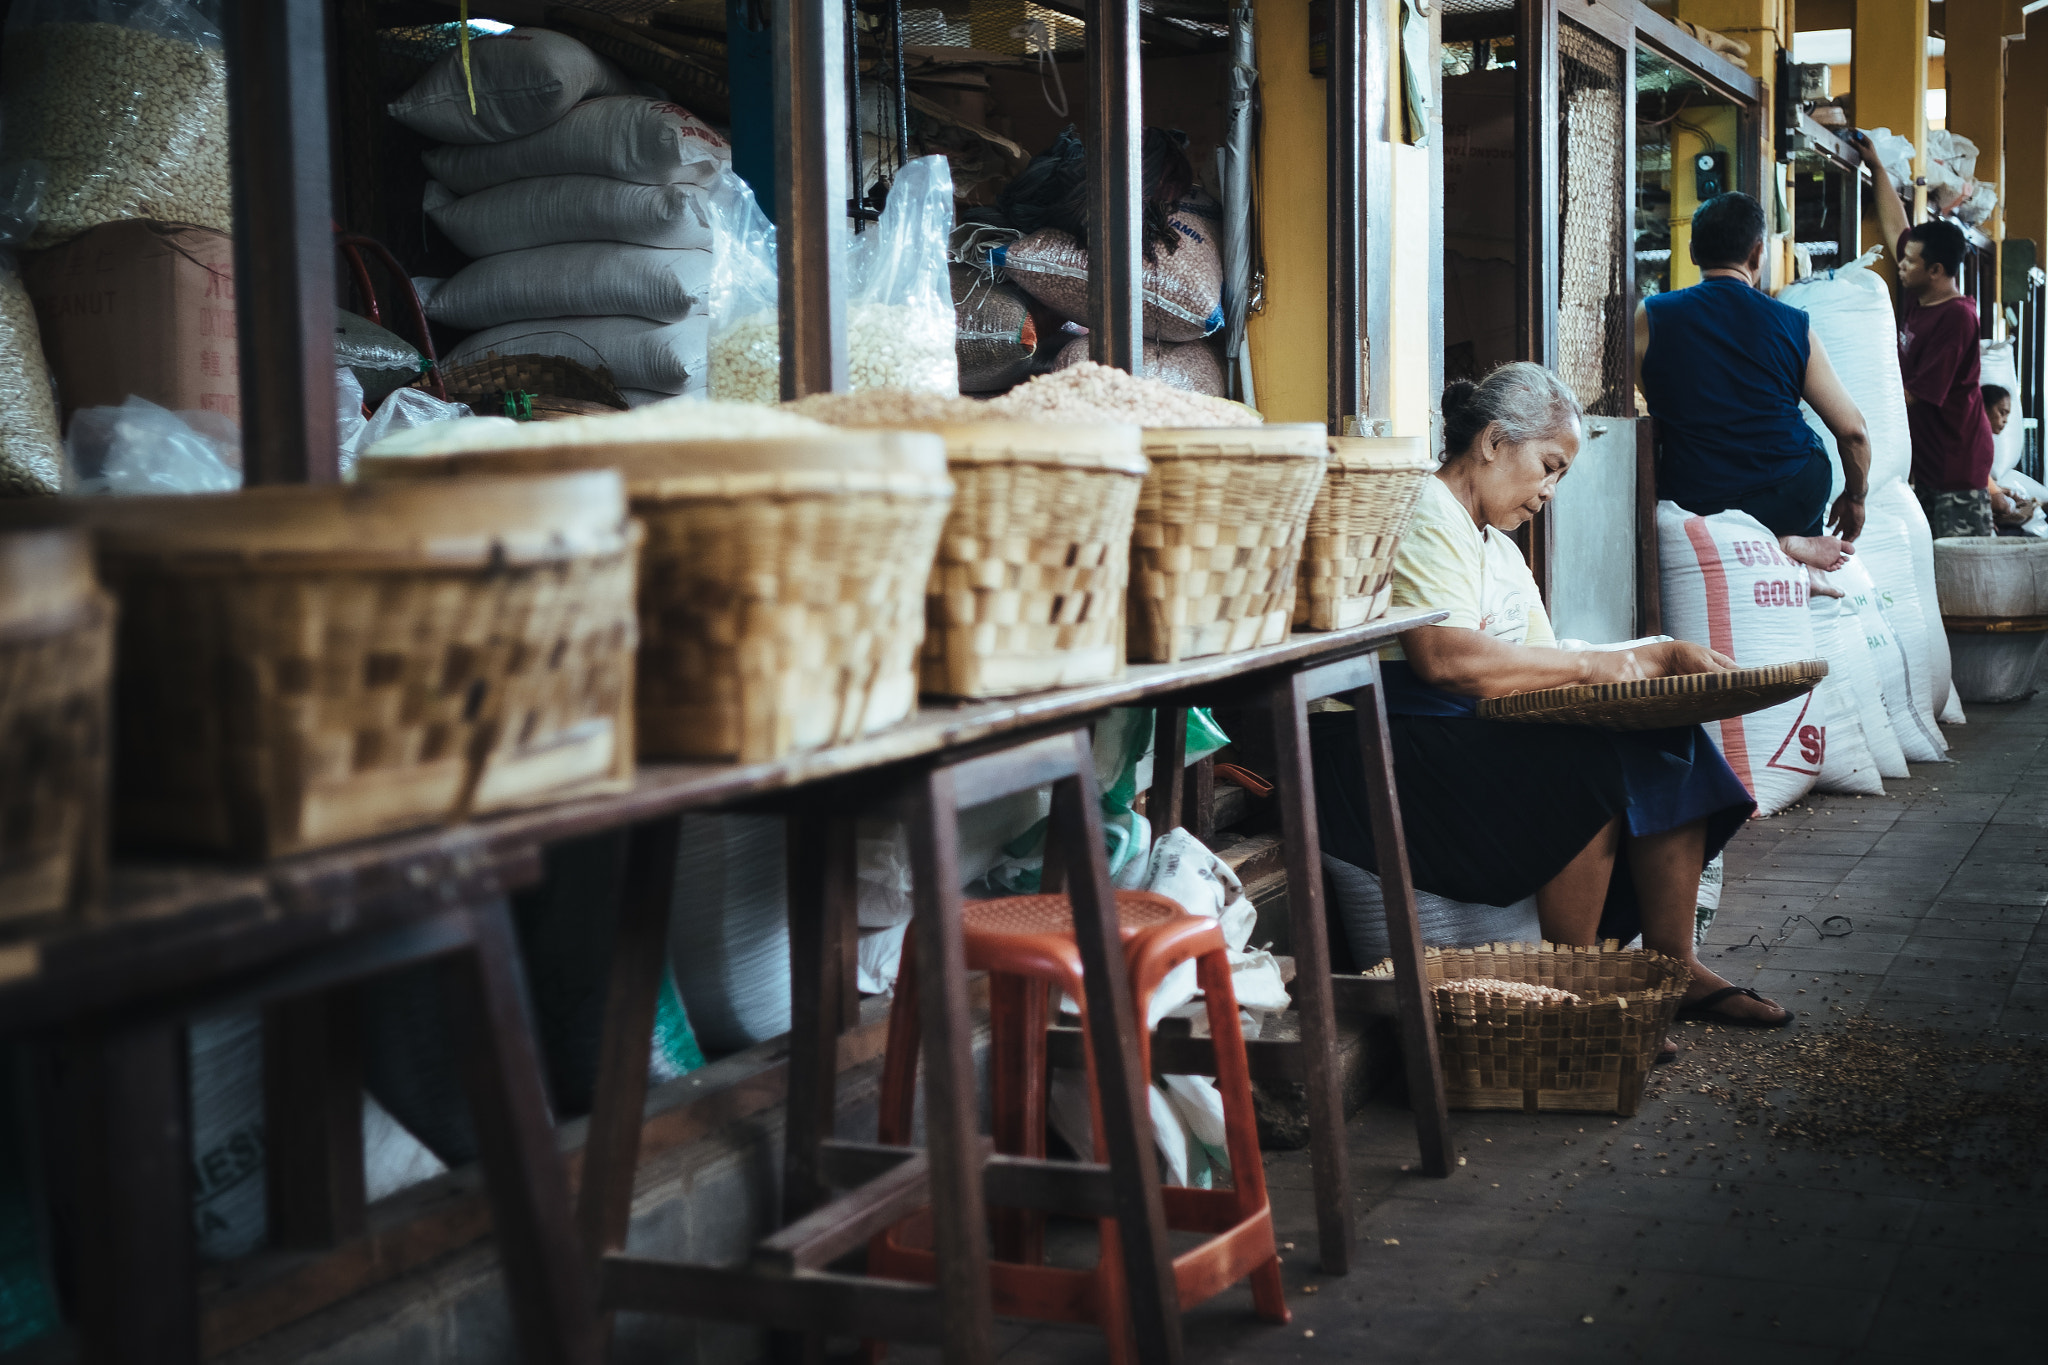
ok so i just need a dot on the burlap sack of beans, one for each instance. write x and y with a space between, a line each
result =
550 209
996 337
1183 287
1189 365
126 106
524 80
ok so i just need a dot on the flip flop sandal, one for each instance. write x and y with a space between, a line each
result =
1703 1010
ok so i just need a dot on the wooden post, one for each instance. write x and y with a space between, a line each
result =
313 1119
810 176
1116 302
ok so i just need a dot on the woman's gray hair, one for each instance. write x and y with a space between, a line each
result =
1529 402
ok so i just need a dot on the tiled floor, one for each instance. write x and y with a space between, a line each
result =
1684 1234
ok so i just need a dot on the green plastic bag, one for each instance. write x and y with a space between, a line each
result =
675 1043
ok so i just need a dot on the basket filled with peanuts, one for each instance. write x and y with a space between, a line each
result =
1549 1027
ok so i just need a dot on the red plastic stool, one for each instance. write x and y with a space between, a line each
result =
1026 944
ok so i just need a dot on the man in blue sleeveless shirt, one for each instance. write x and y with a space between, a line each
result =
1724 366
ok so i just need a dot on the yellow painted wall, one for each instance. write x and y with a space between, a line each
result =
1290 367
1720 125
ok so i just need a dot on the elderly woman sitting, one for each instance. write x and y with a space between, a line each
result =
1609 830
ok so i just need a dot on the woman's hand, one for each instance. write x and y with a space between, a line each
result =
1682 656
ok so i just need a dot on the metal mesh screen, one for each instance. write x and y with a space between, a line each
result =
1593 317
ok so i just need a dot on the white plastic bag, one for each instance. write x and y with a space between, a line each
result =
1849 765
401 410
1728 586
626 137
522 81
574 279
140 447
569 208
1893 665
900 324
1895 151
666 356
2007 446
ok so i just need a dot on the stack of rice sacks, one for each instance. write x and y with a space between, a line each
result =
581 204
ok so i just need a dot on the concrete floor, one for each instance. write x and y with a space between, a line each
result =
1690 1232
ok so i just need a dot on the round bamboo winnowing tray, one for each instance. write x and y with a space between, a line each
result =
1217 539
1659 703
56 655
1592 1057
1027 591
1369 493
302 666
782 582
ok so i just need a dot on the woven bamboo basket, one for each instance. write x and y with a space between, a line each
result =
1660 703
1218 536
554 380
782 587
1028 588
1347 554
302 666
56 656
1591 1058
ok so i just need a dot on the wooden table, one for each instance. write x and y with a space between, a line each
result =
178 938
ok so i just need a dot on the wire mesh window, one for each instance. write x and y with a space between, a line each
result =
1593 314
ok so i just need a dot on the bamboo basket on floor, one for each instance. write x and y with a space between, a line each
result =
1028 588
782 587
56 655
1592 1057
302 666
1347 555
1218 537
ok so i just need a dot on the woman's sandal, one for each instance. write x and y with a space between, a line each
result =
1703 1011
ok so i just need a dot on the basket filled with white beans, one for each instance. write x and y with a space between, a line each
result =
1547 1027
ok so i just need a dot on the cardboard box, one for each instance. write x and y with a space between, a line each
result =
140 308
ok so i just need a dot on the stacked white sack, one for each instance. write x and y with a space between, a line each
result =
1892 664
1849 762
1728 586
583 213
1852 316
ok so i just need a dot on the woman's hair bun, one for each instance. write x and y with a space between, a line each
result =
1458 394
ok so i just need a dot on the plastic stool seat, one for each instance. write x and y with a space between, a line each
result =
1026 944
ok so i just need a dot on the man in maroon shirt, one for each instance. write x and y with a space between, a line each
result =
1938 360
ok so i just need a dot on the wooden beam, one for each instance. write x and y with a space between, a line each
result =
836 1305
1721 75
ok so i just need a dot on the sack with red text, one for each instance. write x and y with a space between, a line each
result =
1728 586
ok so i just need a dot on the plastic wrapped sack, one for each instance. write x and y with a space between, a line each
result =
140 447
127 106
995 336
31 439
1851 313
522 81
1850 765
1894 666
899 312
1183 287
1728 586
664 356
626 137
569 208
574 279
729 929
382 360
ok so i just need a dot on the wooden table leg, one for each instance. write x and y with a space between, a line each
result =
1301 843
611 1150
1113 1025
1419 1050
313 1119
1165 803
133 1265
548 1277
822 882
952 1128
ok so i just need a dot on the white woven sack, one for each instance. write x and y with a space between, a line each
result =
638 353
626 137
728 929
574 279
1918 737
1362 909
1850 651
568 208
1728 586
524 81
1852 315
1849 765
1897 547
1997 368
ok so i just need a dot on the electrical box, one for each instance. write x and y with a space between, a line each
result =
1709 174
1810 81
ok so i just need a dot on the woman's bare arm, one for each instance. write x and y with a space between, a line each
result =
1472 663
